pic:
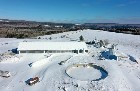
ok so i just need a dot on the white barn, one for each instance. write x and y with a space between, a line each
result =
52 47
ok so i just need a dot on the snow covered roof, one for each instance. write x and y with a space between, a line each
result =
52 46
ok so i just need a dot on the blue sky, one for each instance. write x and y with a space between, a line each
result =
75 11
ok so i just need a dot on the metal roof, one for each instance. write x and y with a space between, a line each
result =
52 46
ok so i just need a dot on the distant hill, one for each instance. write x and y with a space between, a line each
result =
23 29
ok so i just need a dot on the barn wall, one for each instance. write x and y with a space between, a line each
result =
53 51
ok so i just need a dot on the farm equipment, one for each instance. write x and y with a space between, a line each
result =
5 74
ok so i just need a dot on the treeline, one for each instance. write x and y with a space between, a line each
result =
126 31
118 28
27 34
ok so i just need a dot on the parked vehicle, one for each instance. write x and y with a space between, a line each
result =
32 81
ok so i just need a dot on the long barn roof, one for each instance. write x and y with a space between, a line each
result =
52 45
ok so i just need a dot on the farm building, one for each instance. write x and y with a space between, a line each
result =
52 47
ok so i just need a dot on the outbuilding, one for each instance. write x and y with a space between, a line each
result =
52 47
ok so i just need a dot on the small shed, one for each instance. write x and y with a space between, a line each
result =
52 47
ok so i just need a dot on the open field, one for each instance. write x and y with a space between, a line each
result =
123 74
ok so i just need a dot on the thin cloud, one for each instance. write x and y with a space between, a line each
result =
121 5
85 5
127 3
132 2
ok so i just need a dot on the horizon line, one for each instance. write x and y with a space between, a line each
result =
27 20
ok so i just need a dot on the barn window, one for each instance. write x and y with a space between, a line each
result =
31 51
53 51
50 51
75 51
22 51
46 51
39 51
35 51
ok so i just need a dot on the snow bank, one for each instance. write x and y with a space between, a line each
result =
7 58
40 63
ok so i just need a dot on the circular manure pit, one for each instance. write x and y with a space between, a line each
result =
86 72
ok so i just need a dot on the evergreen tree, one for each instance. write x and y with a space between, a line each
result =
81 38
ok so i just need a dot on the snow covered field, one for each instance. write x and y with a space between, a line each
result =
123 74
